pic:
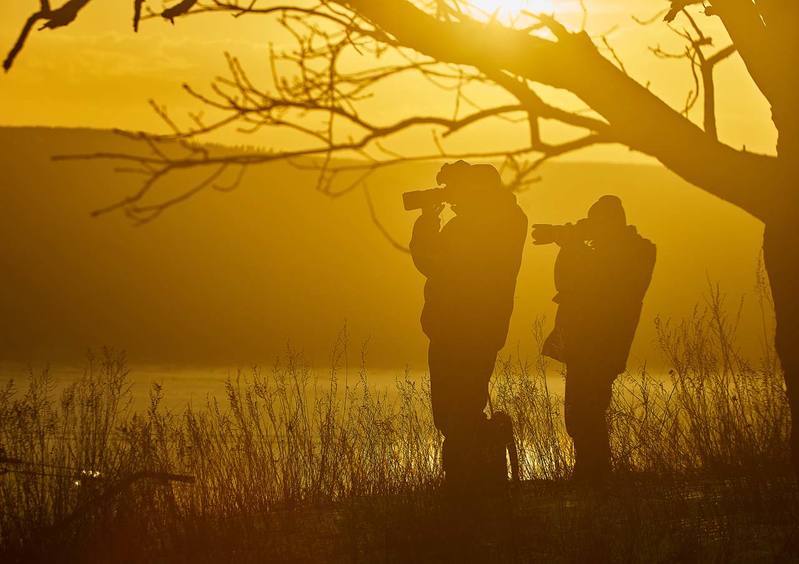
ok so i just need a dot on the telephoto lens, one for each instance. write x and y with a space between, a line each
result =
422 199
545 234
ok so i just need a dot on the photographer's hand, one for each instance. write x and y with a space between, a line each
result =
433 211
431 216
424 241
543 234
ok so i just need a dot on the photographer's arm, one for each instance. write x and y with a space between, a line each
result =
571 265
424 244
507 257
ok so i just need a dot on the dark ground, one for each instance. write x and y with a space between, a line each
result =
632 520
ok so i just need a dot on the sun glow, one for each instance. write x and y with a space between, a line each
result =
510 9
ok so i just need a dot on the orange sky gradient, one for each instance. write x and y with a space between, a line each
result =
98 73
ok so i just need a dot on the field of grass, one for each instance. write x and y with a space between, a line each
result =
290 467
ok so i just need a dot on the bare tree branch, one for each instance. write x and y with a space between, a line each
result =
323 103
638 117
52 18
707 66
137 7
702 67
382 228
325 95
678 6
178 9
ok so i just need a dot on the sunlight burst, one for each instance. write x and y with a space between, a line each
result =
509 9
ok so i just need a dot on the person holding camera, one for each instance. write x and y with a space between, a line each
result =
602 273
471 266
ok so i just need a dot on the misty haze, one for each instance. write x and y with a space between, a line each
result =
399 281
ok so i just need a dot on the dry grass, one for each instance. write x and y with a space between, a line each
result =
291 466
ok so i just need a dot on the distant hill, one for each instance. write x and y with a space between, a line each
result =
232 278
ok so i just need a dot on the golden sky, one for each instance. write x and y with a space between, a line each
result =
98 73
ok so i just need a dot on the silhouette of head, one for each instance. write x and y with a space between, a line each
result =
607 217
469 186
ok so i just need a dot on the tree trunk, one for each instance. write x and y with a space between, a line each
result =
781 257
781 239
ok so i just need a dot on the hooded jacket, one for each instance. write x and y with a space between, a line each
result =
471 265
600 296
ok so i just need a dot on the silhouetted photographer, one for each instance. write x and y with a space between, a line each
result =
471 266
601 274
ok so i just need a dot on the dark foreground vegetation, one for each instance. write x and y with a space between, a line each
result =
294 467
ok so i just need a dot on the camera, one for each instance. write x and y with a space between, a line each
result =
423 199
458 173
545 234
